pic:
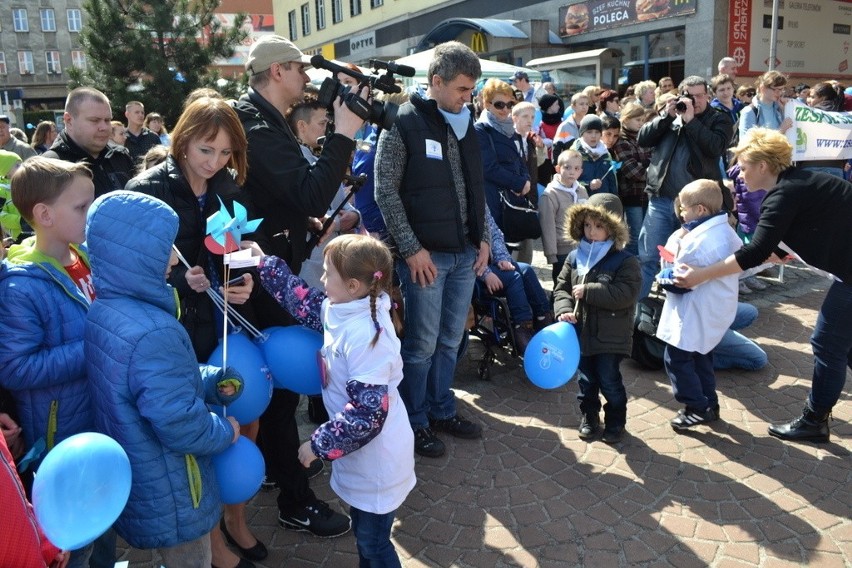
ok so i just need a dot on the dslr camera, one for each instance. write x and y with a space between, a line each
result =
377 112
680 106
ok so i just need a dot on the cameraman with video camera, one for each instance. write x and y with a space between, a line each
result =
286 190
686 140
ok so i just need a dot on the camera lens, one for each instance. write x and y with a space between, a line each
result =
680 106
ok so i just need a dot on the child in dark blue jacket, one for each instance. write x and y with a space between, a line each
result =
598 172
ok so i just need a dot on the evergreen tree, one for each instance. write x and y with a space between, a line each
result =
165 47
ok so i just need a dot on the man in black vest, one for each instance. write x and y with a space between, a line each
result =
429 187
85 139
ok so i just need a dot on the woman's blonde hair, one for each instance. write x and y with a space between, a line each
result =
771 79
495 87
632 110
765 145
369 261
202 119
642 86
42 130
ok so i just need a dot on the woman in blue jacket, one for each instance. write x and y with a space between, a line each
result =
505 170
147 390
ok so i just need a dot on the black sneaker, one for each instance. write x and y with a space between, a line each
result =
612 435
427 444
589 425
268 484
458 427
315 468
690 417
317 519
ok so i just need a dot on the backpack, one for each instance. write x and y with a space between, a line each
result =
647 349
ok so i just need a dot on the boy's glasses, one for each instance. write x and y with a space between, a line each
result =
685 207
500 105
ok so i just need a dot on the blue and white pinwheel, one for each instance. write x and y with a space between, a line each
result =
224 232
613 168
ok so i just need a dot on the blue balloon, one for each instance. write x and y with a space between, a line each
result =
292 355
552 356
247 358
80 489
536 119
239 471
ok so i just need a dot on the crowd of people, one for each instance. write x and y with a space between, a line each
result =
104 330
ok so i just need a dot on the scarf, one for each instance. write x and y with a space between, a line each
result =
590 253
595 152
545 102
506 127
457 121
572 189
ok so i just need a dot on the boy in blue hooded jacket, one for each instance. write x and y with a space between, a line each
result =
147 390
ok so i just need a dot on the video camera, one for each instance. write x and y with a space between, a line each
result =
373 111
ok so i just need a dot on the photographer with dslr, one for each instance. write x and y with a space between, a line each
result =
287 190
686 140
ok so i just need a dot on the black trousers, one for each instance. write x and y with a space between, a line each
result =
278 438
279 442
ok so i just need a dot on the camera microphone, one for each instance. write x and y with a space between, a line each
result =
392 67
321 62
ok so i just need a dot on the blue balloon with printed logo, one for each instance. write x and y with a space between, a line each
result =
239 471
247 358
552 356
80 489
292 354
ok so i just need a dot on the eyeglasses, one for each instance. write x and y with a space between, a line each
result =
685 207
500 105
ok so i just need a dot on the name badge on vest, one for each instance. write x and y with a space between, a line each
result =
433 150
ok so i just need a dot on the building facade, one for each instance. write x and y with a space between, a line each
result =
39 43
638 38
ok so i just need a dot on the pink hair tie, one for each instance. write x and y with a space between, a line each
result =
378 275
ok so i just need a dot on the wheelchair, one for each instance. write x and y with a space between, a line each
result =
493 326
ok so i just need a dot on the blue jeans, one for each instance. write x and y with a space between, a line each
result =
660 222
523 291
435 316
832 345
634 216
601 374
736 351
692 377
837 172
80 557
372 537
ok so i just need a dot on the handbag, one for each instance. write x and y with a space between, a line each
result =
520 220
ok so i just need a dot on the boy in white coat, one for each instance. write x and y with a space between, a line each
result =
694 321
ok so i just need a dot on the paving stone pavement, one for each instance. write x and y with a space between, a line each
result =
530 493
